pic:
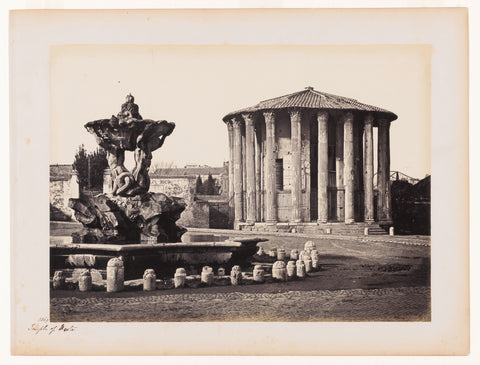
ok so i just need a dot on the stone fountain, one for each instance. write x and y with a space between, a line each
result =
130 222
130 213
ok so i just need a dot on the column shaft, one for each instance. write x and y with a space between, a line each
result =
262 173
231 191
250 167
348 172
368 171
359 198
270 175
388 196
339 166
244 173
258 172
383 173
322 119
296 182
238 169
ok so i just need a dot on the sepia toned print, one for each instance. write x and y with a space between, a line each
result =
255 191
306 181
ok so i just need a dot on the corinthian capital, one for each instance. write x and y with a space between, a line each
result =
269 116
248 118
237 122
295 115
384 123
369 119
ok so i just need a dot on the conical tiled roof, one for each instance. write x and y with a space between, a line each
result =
312 99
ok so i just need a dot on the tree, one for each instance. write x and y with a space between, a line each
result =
198 185
209 186
90 167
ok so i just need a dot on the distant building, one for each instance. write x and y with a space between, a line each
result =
306 158
63 186
203 211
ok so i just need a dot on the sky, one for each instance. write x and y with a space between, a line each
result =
196 86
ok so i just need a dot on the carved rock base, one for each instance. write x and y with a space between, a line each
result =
148 218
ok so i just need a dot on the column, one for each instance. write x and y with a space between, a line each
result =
383 173
339 166
388 196
238 169
358 171
322 119
244 173
270 175
231 191
262 172
368 170
348 171
258 171
250 167
296 182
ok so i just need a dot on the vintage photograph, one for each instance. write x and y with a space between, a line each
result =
240 183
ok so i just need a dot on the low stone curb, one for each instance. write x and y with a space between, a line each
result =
424 241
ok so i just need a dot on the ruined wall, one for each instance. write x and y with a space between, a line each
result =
60 192
181 187
196 215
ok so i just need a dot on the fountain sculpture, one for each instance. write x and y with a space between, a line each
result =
130 213
131 223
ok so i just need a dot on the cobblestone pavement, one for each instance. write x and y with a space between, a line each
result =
387 304
375 278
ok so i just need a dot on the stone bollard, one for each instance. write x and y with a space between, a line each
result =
301 255
260 251
308 263
309 245
291 270
328 230
85 281
279 271
58 280
365 232
115 275
149 280
315 260
221 271
281 255
294 255
179 278
300 269
207 275
391 231
236 275
258 274
272 252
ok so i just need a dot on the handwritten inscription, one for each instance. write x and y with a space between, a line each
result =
42 326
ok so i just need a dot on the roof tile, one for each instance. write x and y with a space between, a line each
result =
310 98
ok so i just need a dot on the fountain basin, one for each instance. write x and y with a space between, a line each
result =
164 258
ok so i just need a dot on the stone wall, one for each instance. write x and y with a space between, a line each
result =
196 215
61 190
283 142
181 187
